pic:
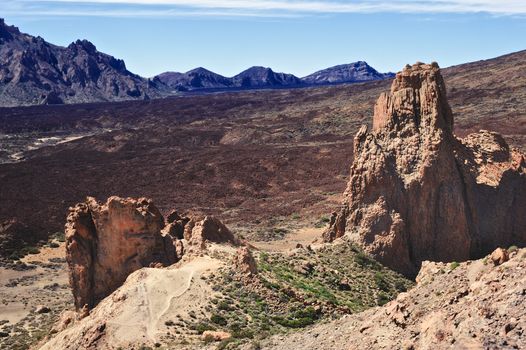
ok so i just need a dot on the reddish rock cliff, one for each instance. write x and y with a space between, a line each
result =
107 242
416 192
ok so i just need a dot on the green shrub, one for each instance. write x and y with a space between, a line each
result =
299 319
243 333
512 249
453 265
382 299
400 286
59 236
218 319
202 327
380 281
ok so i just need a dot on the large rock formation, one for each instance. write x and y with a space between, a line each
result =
107 242
417 192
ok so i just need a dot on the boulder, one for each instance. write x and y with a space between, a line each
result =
499 256
107 242
417 192
216 335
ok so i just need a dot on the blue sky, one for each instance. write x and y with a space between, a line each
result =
294 36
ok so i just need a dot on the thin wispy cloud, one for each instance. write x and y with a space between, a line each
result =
253 8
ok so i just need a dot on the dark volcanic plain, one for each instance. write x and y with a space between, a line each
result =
261 160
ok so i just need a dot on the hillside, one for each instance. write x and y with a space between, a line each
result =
473 305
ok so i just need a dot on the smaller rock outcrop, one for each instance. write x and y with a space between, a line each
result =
244 262
107 242
210 229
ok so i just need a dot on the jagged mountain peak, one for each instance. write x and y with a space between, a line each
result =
33 71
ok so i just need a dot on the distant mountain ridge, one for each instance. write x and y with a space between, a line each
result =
33 71
262 77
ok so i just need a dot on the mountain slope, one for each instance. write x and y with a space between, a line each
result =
199 78
34 71
346 73
264 77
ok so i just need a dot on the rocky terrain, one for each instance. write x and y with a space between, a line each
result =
216 292
478 304
418 193
33 71
270 165
229 146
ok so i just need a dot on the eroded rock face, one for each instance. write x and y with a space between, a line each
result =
107 242
417 193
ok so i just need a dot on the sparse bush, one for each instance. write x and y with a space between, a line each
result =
203 327
324 220
380 281
512 249
59 236
218 319
400 286
382 299
453 265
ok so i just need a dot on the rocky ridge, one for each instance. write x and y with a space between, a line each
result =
264 77
417 192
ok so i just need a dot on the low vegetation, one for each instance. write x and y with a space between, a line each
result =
296 290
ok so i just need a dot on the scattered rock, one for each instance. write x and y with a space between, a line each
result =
303 267
41 309
66 318
209 229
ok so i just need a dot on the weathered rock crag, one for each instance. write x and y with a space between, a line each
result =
107 242
416 192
